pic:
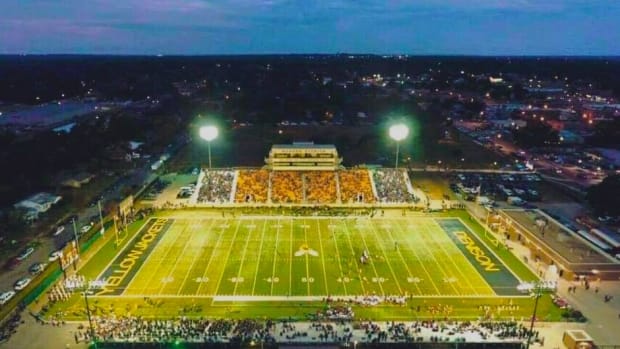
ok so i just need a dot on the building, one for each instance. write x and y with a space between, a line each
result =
303 156
77 180
551 243
37 204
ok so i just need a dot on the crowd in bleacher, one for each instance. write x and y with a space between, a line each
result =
216 186
391 185
355 186
309 187
321 187
252 186
137 329
286 187
333 325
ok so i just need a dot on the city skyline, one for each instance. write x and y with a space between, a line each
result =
188 27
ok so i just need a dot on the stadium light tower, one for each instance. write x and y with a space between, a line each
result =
398 132
208 133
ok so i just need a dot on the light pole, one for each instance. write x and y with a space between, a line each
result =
100 216
398 132
77 243
93 335
115 229
537 291
208 133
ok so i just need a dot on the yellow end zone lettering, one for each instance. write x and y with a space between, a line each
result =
125 266
476 251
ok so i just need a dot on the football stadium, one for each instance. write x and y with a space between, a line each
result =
301 239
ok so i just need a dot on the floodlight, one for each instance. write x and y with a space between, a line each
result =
399 132
208 133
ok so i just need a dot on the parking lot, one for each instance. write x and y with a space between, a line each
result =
167 189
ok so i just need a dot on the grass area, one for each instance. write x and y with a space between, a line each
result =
307 257
197 260
93 267
417 308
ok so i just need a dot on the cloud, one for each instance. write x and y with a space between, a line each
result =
135 26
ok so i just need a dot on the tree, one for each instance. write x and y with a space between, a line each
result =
603 197
535 134
606 134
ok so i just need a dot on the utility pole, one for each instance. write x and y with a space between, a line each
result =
537 292
93 335
77 243
100 216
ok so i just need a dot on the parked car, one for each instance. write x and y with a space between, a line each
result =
55 255
59 230
36 268
6 296
21 284
25 253
12 263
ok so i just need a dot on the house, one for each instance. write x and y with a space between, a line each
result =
37 204
77 180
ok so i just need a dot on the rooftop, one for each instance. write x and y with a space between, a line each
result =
303 145
568 245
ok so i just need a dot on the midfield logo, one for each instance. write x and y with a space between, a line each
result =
305 250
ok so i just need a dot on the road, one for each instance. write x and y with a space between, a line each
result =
573 174
139 176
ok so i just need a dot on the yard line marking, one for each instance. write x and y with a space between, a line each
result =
357 267
215 248
290 262
232 242
157 256
245 250
166 250
400 254
333 233
372 263
275 255
205 236
318 229
467 265
180 256
424 243
385 257
304 227
415 253
260 251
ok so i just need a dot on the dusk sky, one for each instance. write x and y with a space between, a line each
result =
479 27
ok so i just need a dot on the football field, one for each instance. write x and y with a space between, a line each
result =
271 258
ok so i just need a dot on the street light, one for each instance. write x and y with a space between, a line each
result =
100 216
208 133
75 235
398 132
93 334
536 291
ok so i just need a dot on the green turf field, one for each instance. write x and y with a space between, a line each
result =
271 259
